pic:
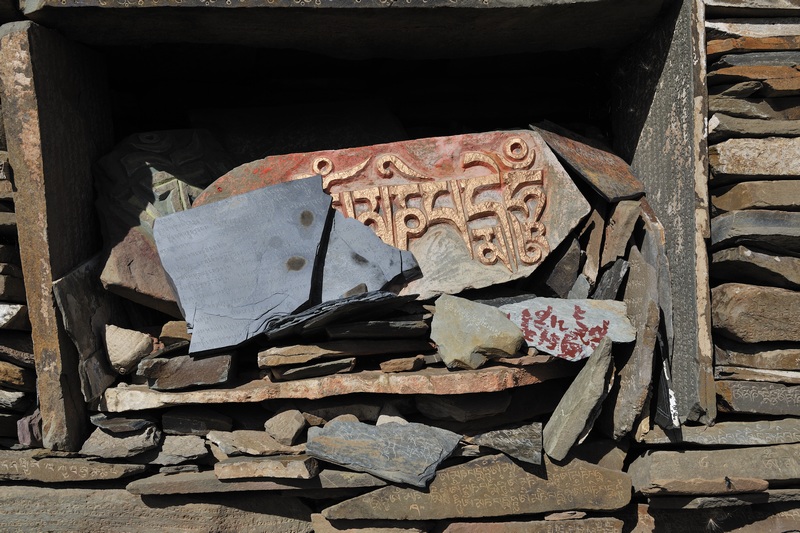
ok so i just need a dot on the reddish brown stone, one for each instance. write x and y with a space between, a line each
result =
752 44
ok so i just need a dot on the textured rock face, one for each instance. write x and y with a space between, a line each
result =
754 159
762 228
404 453
126 347
466 333
756 433
27 466
748 313
297 467
186 371
743 264
523 443
110 446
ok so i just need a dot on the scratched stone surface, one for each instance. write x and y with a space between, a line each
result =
768 463
28 466
570 329
735 433
464 491
474 210
523 443
232 274
583 525
404 453
761 398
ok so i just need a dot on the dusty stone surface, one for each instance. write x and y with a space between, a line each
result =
762 398
782 195
752 44
756 108
575 414
304 353
71 509
750 27
738 500
523 443
749 313
768 229
177 449
173 332
249 442
754 159
404 364
586 525
286 427
768 355
755 433
17 378
288 467
745 265
404 453
115 446
29 465
467 333
426 381
522 493
126 347
185 371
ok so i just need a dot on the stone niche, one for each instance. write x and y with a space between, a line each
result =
274 77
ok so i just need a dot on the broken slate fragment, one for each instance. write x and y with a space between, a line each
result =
304 353
228 286
116 446
285 467
126 347
403 453
380 329
575 414
467 332
249 442
186 371
315 370
610 281
570 329
523 443
404 364
286 426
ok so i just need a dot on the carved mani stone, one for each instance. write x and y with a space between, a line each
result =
474 210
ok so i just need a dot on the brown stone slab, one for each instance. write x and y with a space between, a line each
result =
605 171
707 502
752 44
756 433
460 180
425 381
754 159
207 482
586 525
313 370
767 355
735 73
783 195
756 108
404 364
184 371
17 378
286 467
761 398
57 121
303 353
722 127
774 464
24 508
788 377
29 465
721 485
619 228
750 313
458 492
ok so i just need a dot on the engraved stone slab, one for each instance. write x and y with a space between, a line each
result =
289 467
114 446
762 398
585 525
723 372
756 433
745 265
579 407
570 329
249 442
207 482
461 492
404 453
754 159
304 353
749 313
523 443
30 466
474 210
185 371
768 355
228 287
763 228
768 463
425 381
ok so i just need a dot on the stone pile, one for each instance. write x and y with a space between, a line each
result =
462 328
742 471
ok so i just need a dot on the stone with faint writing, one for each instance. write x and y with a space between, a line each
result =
107 445
288 467
743 264
404 453
575 414
523 443
30 466
750 313
773 464
474 210
147 176
584 525
767 355
467 333
250 442
462 407
734 433
777 231
762 398
462 492
570 329
126 347
185 371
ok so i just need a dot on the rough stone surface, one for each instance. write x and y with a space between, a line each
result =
207 482
14 400
109 509
750 27
770 356
323 525
723 372
778 231
30 465
570 329
486 161
17 348
17 378
754 159
467 333
173 332
722 127
303 353
425 381
456 490
762 398
586 525
619 230
314 370
289 467
559 272
755 433
286 427
404 364
745 265
249 442
177 449
115 446
707 502
769 463
14 317
404 453
463 407
752 44
767 517
193 420
749 313
185 371
380 329
756 108
579 407
126 347
523 443
122 423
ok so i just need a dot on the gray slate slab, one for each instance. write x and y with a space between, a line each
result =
184 371
122 423
762 398
228 285
752 266
734 433
610 281
766 229
315 370
404 453
523 443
